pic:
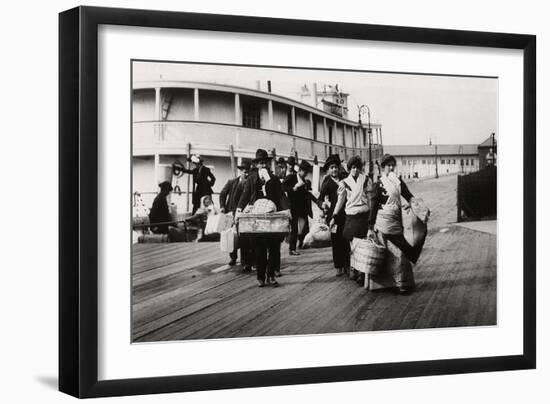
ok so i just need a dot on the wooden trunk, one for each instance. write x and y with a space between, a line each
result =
264 223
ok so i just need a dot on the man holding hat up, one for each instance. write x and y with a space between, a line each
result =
297 187
203 180
262 184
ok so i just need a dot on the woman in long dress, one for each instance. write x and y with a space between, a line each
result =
385 222
355 193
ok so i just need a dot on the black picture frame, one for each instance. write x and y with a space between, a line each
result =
78 196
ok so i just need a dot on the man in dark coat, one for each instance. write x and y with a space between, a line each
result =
229 199
263 184
203 180
160 213
281 167
328 197
298 189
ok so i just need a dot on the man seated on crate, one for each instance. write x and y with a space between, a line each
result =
229 198
262 184
159 215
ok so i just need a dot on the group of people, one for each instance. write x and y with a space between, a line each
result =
354 206
358 206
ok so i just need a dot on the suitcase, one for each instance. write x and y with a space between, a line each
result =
228 240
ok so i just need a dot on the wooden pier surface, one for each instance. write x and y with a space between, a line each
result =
185 290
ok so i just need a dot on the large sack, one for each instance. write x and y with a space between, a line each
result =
414 229
420 209
318 236
218 223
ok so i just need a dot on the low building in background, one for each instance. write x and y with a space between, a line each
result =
422 161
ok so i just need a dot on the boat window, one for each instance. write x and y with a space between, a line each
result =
251 115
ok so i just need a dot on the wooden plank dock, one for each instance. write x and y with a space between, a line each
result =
185 291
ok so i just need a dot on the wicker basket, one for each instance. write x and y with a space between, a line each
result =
367 256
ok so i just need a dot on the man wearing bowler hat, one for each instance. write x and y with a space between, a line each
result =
297 187
229 199
262 184
203 180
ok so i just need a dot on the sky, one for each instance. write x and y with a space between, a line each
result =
411 108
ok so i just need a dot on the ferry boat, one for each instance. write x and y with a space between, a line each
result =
225 124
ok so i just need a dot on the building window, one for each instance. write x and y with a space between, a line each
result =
461 162
423 161
251 115
442 161
472 161
467 162
454 161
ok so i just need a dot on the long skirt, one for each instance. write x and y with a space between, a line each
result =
356 226
397 271
400 254
340 249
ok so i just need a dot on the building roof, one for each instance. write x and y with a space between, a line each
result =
488 142
427 150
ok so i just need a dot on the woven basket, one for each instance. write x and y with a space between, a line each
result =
375 257
367 256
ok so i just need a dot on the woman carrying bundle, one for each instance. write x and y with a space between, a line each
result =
386 218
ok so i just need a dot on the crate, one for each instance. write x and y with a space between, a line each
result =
264 223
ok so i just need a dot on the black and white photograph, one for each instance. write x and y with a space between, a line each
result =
278 201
